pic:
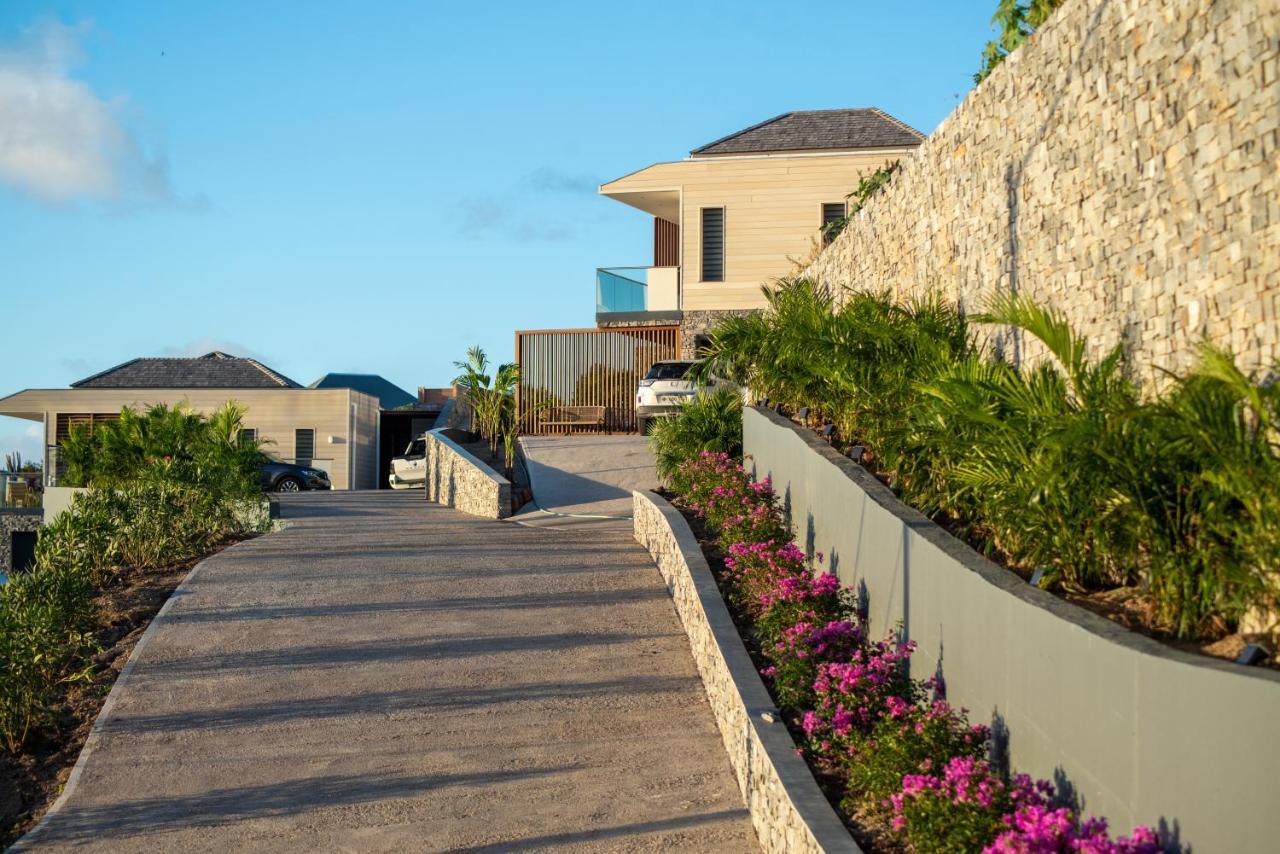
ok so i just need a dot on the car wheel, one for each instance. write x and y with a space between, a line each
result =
288 484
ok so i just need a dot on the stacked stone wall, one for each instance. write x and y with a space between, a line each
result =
1121 166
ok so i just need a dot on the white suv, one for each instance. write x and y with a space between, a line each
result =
663 391
409 470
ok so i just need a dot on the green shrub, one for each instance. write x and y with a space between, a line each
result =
47 619
166 443
712 421
1061 465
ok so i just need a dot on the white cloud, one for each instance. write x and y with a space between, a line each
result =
60 142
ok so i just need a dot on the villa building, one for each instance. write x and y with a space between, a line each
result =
739 212
335 429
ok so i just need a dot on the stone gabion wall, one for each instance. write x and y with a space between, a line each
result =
789 812
12 521
695 324
1120 166
457 479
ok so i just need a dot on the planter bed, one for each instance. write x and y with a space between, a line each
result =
905 769
32 780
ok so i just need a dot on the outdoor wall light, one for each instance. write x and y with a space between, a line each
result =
1253 654
855 453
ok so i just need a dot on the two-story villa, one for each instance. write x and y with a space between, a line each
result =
738 212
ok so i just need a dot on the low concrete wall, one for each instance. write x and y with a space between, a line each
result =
788 810
57 499
1142 732
457 479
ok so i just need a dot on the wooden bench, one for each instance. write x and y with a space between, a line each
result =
570 417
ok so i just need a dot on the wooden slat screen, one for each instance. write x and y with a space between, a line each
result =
62 427
666 243
588 367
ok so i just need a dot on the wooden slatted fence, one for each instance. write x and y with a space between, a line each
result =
587 368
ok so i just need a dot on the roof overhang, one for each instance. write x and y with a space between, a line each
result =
647 190
22 405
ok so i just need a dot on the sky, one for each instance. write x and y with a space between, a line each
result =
374 187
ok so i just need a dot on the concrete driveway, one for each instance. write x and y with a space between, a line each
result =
585 481
389 675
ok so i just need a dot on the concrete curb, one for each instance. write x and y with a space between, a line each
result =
32 836
788 810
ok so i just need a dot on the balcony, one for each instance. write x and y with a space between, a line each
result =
637 293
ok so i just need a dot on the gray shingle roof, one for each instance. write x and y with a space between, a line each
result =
212 370
816 130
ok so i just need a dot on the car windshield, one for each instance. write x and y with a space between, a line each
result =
668 371
417 447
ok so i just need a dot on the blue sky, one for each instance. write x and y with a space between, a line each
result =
374 187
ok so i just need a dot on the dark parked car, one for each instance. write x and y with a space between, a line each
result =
286 477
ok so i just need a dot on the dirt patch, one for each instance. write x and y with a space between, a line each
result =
31 781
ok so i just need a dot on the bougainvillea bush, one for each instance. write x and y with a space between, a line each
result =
902 756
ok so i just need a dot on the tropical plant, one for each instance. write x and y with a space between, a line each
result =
1016 21
162 442
492 398
1058 466
711 421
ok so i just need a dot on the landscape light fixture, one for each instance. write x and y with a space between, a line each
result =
855 453
827 431
1253 654
1037 576
764 401
777 407
803 413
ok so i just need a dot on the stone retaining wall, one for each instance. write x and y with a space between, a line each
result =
12 521
1121 166
457 479
788 810
1142 732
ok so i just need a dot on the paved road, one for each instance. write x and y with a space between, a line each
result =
389 675
576 478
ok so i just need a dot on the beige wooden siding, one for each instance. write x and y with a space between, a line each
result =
274 413
772 212
365 441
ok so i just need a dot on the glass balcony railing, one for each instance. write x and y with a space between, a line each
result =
621 289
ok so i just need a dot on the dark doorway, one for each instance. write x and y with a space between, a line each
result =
24 550
398 428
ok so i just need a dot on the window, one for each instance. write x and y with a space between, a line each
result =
713 244
831 212
304 446
248 435
668 370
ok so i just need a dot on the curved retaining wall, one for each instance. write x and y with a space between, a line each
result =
788 810
1142 732
457 479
